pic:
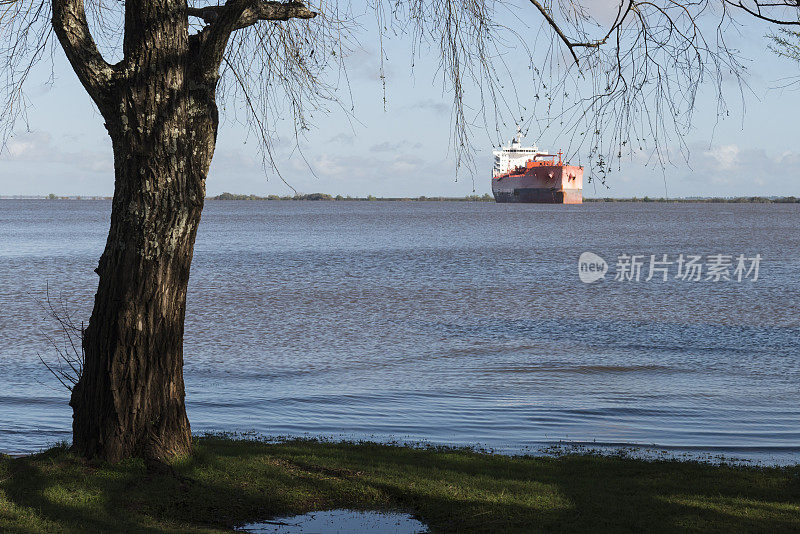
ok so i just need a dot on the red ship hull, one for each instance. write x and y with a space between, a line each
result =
544 182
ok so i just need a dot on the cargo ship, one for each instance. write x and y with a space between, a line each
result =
526 174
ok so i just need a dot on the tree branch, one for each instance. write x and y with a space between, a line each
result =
757 12
235 15
255 12
587 44
71 28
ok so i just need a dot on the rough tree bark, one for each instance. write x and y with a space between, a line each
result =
160 112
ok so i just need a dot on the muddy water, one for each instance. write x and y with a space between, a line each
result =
456 323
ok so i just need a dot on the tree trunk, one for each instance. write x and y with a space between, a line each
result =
162 120
160 111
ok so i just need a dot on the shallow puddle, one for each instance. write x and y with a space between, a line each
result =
339 522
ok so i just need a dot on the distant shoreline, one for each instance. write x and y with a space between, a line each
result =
471 198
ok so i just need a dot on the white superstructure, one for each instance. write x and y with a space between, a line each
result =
514 155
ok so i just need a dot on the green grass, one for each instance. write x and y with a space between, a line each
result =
228 482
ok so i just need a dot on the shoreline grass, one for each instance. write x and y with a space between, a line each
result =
228 482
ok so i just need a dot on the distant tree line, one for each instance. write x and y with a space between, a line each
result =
706 200
324 196
488 198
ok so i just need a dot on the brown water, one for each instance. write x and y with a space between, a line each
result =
458 323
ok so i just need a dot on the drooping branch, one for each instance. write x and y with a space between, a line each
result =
235 15
72 29
757 10
572 45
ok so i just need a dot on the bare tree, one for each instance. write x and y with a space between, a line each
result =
157 70
67 343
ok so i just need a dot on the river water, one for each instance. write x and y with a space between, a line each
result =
448 322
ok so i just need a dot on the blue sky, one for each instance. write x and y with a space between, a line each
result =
404 149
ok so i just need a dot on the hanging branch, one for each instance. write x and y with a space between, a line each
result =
572 45
757 11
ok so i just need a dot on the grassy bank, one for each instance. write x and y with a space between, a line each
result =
228 482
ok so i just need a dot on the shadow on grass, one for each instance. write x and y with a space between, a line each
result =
227 482
576 492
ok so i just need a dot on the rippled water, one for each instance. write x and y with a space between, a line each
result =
457 323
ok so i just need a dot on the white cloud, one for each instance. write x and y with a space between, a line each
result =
386 146
39 147
405 164
724 170
430 105
234 161
342 138
369 174
363 64
28 147
335 166
727 155
732 170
